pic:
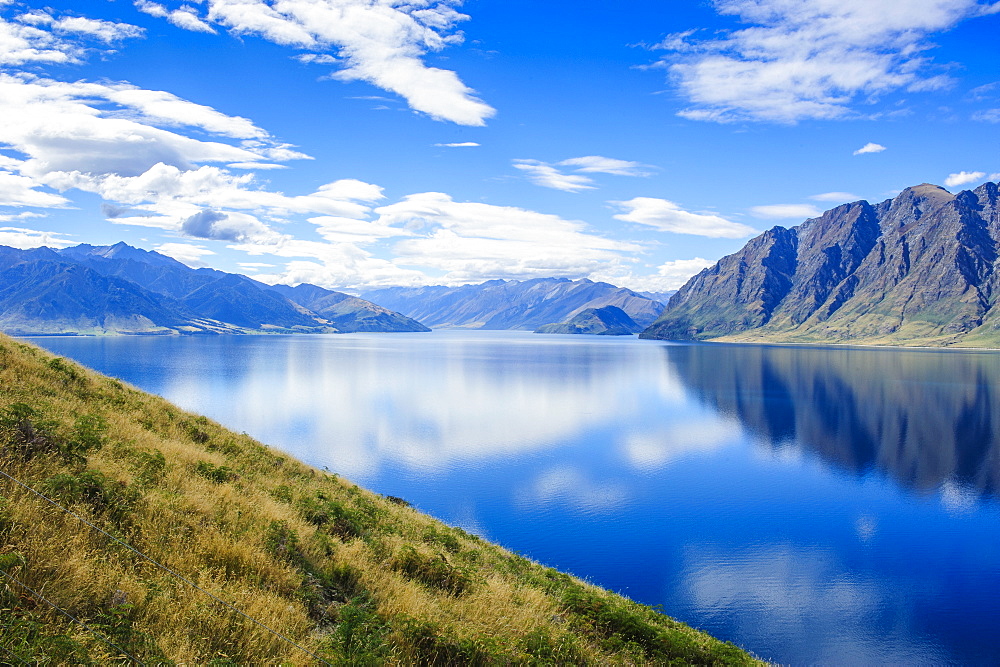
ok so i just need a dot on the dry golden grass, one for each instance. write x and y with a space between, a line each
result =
348 575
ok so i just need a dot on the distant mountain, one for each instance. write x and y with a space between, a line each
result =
919 269
606 321
346 312
509 304
662 297
120 289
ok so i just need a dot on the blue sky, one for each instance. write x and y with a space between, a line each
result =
363 143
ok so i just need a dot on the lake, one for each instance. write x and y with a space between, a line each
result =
809 504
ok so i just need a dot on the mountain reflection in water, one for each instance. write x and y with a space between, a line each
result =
926 418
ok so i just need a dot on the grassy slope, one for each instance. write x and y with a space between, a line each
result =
352 576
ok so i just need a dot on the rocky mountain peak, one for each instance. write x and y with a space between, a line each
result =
920 268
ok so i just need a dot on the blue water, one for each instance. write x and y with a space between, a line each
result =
811 505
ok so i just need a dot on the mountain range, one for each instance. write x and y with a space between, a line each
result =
89 289
918 269
511 304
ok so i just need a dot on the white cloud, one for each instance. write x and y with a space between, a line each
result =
667 216
16 190
317 59
809 59
669 276
382 43
102 128
548 176
778 211
18 237
39 37
597 164
106 31
186 17
472 242
869 148
210 202
463 144
838 197
185 252
964 178
987 116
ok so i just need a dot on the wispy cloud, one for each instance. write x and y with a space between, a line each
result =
383 43
666 216
870 148
810 59
837 197
598 164
781 211
547 176
462 144
550 175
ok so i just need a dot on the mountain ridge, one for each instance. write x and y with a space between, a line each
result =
119 289
917 269
509 304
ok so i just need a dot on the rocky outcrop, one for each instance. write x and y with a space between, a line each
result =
917 269
606 321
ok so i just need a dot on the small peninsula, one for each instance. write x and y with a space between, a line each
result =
606 321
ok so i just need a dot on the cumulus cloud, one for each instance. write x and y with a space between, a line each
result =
471 241
16 190
550 176
964 178
869 148
166 190
837 197
101 128
382 43
811 59
204 225
666 216
778 211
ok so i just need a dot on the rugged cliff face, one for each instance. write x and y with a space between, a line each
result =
917 269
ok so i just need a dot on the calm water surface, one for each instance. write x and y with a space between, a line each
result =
811 505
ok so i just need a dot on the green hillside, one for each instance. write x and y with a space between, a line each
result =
216 549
